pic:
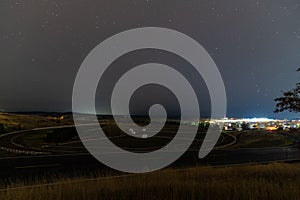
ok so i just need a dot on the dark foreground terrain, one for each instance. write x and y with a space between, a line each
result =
272 181
41 156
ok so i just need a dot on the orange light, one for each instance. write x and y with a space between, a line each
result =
271 128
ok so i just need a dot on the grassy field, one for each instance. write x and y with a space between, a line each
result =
260 138
13 122
273 181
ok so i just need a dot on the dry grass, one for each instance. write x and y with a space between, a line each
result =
274 181
261 138
12 122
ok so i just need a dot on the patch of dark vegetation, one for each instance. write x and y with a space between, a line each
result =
61 135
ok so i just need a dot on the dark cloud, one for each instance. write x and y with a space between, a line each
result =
254 43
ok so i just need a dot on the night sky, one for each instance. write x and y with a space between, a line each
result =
255 44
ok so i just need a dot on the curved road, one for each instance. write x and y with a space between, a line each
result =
40 162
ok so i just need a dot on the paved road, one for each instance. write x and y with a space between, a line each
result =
7 143
71 164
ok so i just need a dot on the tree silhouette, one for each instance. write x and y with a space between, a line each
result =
1 128
290 100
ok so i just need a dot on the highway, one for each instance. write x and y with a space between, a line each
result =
70 165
